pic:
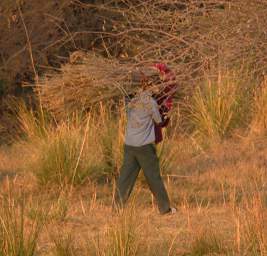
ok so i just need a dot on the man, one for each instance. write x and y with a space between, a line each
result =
139 149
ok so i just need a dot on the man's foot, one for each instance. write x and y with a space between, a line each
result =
171 211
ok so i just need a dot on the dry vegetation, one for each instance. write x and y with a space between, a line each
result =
220 194
57 177
61 192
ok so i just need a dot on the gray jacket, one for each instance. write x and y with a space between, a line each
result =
142 112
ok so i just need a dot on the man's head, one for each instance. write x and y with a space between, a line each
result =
146 78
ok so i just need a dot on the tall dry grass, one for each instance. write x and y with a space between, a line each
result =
221 210
208 243
121 239
220 106
259 122
63 244
19 233
220 190
81 147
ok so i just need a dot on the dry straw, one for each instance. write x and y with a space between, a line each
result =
88 79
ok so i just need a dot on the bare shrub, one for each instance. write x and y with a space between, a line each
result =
197 40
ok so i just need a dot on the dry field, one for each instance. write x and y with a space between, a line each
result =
57 177
57 189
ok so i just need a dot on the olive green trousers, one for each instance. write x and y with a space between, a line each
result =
135 158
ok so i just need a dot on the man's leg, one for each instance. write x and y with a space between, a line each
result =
128 174
147 157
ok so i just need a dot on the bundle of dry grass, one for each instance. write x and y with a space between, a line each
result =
88 79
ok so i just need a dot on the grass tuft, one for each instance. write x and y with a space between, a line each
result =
59 160
207 243
259 121
121 237
19 235
218 107
63 245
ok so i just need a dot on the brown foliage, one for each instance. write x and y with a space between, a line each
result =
196 38
50 25
193 36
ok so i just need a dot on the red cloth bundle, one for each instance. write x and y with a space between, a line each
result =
164 98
